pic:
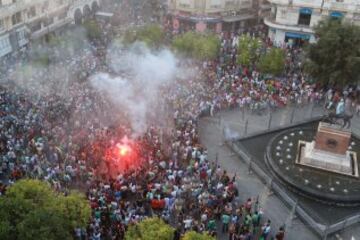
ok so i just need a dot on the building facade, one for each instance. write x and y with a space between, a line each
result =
292 21
215 15
24 20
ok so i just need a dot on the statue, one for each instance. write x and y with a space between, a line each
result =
340 113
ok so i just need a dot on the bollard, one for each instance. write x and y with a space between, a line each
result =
246 126
270 119
312 110
249 169
292 115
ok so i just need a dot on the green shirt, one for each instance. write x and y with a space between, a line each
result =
225 218
211 225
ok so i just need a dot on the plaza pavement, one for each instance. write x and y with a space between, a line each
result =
233 124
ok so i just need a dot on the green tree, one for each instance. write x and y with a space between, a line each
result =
152 35
32 210
272 62
43 224
184 44
93 30
202 46
249 50
150 229
75 208
335 57
197 236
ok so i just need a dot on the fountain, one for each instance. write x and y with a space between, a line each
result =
321 165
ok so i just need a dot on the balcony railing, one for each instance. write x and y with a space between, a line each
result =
50 28
271 22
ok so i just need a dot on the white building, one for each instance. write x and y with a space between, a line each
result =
24 20
293 20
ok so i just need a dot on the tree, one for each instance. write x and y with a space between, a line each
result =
184 44
335 57
75 208
197 45
43 224
249 50
150 229
32 210
272 62
152 35
93 30
197 236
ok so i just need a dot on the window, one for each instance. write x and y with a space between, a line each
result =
184 3
21 35
305 16
198 4
229 4
32 12
215 4
36 27
45 6
16 18
62 15
5 46
48 21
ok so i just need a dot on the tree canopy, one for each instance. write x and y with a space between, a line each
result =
93 30
197 236
272 62
248 50
152 35
30 209
335 58
200 46
150 229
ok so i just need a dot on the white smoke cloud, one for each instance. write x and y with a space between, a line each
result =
229 134
135 88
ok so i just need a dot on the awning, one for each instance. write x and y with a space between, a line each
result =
297 35
336 14
198 19
307 11
104 14
238 18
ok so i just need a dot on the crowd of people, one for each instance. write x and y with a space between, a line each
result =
56 127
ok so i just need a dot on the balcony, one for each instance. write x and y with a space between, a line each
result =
296 3
280 2
271 22
45 30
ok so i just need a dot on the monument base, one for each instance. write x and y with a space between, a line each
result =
309 155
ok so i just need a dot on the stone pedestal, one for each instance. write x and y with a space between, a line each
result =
310 156
329 151
333 139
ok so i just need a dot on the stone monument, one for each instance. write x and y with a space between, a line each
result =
330 151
